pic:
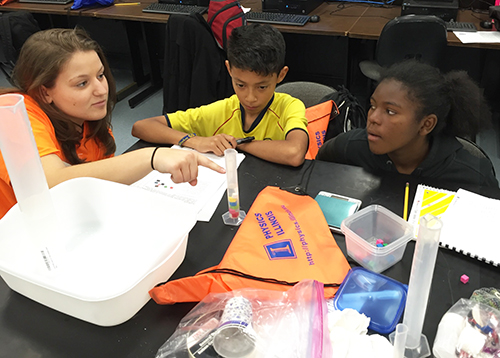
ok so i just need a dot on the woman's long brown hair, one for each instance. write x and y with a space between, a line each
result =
40 61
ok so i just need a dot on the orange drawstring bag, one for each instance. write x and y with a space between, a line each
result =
283 239
318 117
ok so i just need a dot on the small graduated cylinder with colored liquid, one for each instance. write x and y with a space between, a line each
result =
233 202
234 215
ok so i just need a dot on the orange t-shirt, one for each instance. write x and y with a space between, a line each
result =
46 141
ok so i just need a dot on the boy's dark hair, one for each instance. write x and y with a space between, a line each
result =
258 48
455 99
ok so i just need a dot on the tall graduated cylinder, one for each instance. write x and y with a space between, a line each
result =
422 271
20 154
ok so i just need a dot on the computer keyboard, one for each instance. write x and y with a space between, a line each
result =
59 2
177 9
460 26
277 18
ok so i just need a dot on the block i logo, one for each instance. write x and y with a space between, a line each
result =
280 250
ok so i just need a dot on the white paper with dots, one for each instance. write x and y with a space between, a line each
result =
204 197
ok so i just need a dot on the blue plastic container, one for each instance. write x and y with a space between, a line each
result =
377 296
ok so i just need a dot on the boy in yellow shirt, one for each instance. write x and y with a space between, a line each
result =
256 56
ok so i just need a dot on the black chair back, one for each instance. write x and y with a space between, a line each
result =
420 37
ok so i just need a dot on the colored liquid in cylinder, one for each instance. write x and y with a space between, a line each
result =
233 202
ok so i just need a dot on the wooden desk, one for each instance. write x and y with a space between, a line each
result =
346 34
339 22
476 18
131 12
47 9
478 60
333 22
371 22
360 21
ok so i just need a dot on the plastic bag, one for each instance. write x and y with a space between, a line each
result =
81 3
488 295
264 323
469 329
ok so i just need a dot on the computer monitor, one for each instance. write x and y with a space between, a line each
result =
302 7
445 9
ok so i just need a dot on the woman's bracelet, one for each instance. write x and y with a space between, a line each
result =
153 158
185 138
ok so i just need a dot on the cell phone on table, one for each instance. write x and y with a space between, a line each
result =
336 208
244 140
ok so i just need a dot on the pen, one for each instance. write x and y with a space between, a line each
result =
405 209
244 140
127 3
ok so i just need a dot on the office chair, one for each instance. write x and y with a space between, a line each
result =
15 28
475 150
420 37
310 93
194 71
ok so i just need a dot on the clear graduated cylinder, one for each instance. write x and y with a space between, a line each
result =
422 271
399 340
234 216
26 174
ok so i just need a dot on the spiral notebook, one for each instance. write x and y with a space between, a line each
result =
429 200
470 226
469 220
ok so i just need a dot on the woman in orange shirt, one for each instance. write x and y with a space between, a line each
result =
69 96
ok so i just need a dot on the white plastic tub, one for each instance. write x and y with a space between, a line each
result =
115 243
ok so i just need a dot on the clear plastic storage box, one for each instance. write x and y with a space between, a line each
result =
364 228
